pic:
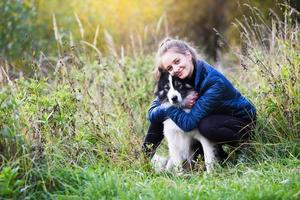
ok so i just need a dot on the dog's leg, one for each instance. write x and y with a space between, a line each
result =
209 152
169 165
159 163
180 151
173 138
175 161
188 153
189 161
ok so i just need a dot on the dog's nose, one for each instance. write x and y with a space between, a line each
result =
174 99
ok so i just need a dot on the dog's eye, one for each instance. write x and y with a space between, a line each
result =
169 68
188 86
179 85
176 83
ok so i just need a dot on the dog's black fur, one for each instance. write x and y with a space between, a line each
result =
163 86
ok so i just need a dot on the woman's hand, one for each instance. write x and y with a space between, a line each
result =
190 100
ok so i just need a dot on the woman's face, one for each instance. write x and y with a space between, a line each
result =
177 64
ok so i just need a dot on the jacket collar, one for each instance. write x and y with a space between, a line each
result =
198 73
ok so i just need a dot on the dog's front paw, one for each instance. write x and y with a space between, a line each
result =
159 163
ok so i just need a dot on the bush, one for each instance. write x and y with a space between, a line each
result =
79 116
270 56
17 25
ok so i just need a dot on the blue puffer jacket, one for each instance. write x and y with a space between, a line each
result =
216 96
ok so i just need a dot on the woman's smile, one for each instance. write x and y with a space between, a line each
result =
179 73
177 64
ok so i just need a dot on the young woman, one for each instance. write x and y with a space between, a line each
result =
218 109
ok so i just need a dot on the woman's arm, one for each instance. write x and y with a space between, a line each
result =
157 113
207 102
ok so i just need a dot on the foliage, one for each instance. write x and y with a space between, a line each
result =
74 127
203 18
270 55
136 27
91 20
9 183
76 117
18 27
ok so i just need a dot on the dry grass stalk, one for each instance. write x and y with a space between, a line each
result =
110 43
57 35
80 26
96 36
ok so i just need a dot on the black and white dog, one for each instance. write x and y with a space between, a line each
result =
172 91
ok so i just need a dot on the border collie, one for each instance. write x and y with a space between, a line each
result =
172 91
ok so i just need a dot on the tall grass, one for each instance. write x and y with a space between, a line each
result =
80 116
271 68
74 130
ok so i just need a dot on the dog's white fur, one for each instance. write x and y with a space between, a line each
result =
180 142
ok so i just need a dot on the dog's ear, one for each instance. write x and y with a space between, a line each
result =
156 90
163 73
161 83
160 70
188 86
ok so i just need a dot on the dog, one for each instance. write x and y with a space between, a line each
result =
172 91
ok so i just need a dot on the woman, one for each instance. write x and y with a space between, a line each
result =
218 109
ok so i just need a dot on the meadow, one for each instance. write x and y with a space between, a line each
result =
73 127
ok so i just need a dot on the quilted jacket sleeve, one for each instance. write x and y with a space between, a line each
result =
156 113
208 101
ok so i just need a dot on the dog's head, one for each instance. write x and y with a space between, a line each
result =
172 89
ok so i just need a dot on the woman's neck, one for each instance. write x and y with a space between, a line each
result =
191 79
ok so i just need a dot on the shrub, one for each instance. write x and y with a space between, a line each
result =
270 55
17 25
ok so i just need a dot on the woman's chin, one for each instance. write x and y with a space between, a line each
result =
182 76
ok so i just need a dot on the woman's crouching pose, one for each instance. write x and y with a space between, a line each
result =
217 108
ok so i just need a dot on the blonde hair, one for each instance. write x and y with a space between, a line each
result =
177 46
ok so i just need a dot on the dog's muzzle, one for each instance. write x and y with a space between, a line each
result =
174 100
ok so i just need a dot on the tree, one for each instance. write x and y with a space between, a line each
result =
197 19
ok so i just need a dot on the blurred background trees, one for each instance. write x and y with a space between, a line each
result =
17 26
199 20
131 26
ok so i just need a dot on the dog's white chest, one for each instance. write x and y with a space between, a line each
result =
171 130
178 140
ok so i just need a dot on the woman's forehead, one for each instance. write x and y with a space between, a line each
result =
169 57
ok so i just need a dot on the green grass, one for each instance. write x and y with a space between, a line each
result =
73 137
276 179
